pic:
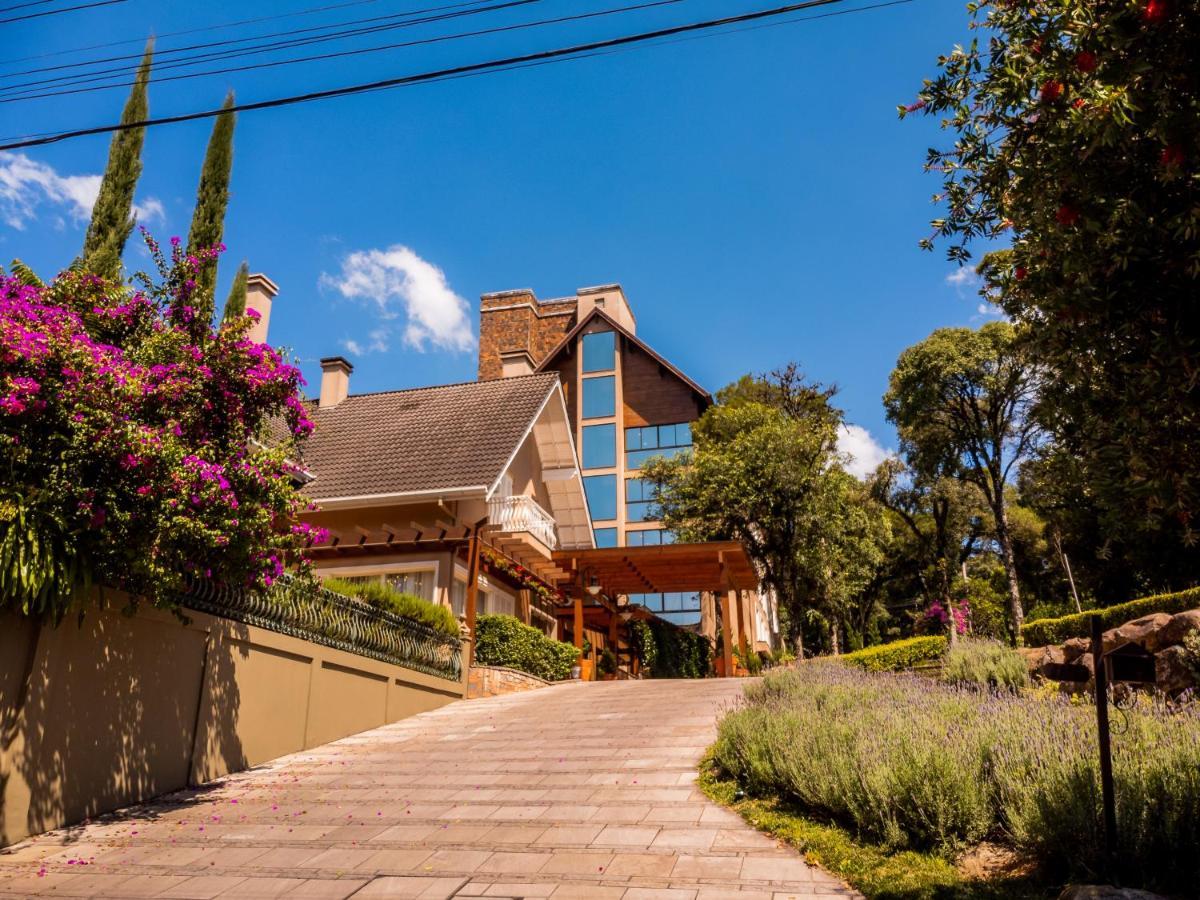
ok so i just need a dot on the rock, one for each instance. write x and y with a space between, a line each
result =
1172 673
1104 892
1135 632
1174 631
1075 648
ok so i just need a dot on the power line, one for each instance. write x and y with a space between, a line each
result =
437 75
254 21
136 57
4 9
361 51
59 12
18 90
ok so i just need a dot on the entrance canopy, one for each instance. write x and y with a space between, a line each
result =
663 569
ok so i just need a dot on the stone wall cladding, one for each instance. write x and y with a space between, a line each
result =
492 681
517 320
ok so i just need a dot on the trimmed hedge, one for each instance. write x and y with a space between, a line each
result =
898 654
507 641
409 606
1041 632
666 651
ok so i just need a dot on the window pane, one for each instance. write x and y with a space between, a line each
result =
633 439
601 493
668 537
642 511
599 397
418 583
606 537
599 446
599 351
683 434
638 489
633 539
458 597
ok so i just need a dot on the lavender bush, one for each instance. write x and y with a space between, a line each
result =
909 762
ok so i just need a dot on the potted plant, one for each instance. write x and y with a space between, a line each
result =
607 666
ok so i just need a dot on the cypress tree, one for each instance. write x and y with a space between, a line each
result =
112 216
235 305
212 197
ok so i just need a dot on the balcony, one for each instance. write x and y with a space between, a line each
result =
522 514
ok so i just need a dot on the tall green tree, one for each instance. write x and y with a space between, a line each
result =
112 216
212 199
1076 130
235 303
962 402
759 475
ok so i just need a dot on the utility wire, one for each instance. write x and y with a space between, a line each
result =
649 4
4 9
441 74
141 40
63 81
159 53
59 12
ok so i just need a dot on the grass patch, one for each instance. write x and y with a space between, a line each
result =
869 868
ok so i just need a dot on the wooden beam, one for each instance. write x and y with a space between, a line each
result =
638 574
741 618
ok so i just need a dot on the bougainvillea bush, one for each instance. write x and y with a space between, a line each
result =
134 441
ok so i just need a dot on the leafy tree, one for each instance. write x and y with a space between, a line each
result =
112 216
235 304
961 401
212 198
942 514
762 471
1077 139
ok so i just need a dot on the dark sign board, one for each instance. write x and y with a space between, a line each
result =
1130 663
1066 672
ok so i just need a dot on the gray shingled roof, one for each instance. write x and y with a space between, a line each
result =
436 438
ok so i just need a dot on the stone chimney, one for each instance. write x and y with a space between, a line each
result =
516 331
260 291
335 381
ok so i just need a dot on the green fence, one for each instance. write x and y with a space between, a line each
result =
305 610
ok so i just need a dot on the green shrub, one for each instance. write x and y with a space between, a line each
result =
608 663
909 762
409 606
1040 632
898 654
507 641
985 664
666 651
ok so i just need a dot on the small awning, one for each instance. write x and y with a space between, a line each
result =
663 569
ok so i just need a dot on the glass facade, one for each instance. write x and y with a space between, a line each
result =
656 440
605 537
639 501
680 608
649 537
599 351
601 493
599 446
599 397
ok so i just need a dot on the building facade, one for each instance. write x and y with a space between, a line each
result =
626 403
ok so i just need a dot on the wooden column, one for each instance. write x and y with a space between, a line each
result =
473 584
708 615
742 617
579 628
727 632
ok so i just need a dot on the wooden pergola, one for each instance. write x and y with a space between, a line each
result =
721 568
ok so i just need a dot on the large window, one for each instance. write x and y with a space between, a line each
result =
639 501
599 446
650 537
655 440
601 493
606 537
599 351
680 608
418 582
599 397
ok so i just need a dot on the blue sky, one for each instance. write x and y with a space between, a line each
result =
754 193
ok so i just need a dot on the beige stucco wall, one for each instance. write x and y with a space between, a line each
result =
118 709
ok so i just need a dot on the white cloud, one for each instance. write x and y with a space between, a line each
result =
26 185
863 452
399 282
962 277
377 342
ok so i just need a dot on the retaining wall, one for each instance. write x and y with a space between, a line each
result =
118 709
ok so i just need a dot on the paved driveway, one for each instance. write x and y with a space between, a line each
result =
573 791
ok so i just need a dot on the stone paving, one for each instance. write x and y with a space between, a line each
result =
573 791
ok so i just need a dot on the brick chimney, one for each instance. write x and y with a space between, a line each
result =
517 331
260 291
335 381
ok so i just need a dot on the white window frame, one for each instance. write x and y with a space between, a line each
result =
381 569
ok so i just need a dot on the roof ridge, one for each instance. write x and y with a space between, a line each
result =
454 384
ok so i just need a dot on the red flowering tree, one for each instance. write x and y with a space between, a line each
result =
1077 127
135 442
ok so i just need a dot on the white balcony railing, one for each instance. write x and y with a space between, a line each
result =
514 514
